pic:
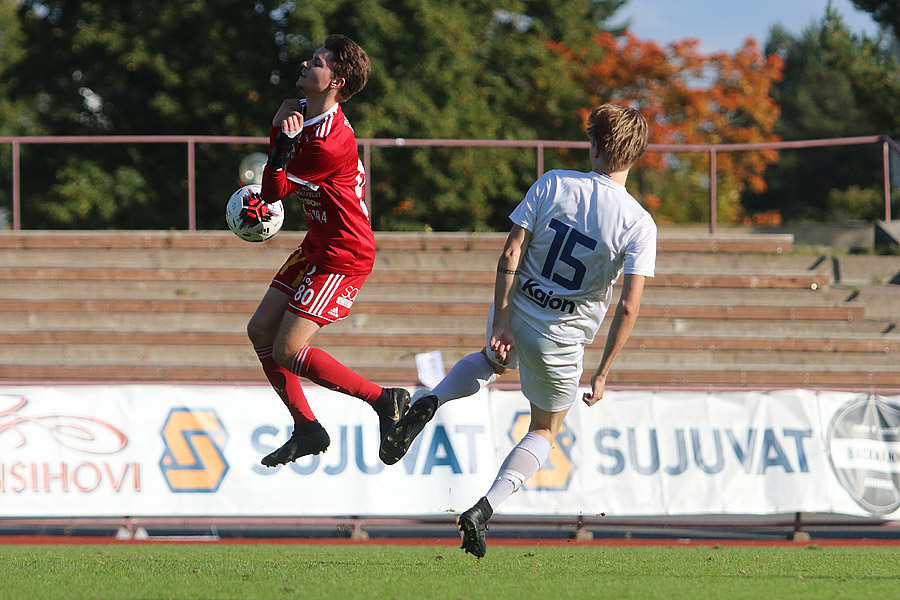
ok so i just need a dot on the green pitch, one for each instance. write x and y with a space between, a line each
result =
422 572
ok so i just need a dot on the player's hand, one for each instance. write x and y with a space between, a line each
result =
255 212
289 107
292 125
598 385
502 343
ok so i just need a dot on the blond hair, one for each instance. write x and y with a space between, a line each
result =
349 61
621 134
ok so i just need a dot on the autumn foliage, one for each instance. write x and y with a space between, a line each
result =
688 97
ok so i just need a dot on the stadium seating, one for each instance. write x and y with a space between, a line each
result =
731 310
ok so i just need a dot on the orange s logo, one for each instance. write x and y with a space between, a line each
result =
558 469
193 460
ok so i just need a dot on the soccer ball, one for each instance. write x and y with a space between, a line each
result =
250 218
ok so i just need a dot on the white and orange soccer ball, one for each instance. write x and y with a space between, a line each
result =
250 218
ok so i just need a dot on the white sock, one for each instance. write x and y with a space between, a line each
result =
521 463
467 377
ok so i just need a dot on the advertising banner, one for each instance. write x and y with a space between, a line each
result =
165 450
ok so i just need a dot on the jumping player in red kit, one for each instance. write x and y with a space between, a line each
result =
313 154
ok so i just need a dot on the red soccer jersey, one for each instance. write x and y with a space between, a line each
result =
328 177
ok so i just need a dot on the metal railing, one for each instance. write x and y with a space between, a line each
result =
368 143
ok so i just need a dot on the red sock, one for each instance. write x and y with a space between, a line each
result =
288 387
321 368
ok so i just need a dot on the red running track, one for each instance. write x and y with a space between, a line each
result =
434 542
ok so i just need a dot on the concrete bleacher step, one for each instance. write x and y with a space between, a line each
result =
823 329
422 277
757 263
237 324
407 242
409 292
46 321
624 375
391 259
417 339
219 350
802 376
392 356
221 360
406 288
811 312
40 321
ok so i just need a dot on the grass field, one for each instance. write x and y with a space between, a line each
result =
428 571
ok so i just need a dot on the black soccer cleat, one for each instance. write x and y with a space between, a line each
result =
307 438
473 524
398 440
393 404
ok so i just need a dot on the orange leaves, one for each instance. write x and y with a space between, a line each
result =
652 202
689 97
769 218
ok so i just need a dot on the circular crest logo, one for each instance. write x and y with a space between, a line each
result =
863 443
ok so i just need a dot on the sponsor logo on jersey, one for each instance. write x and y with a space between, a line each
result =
193 460
545 299
863 443
333 312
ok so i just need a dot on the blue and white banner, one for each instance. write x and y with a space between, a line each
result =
162 450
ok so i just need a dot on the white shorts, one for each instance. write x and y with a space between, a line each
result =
549 371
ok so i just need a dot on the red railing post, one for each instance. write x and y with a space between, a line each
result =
16 191
712 190
367 167
192 186
540 160
886 163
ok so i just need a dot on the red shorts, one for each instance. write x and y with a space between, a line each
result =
316 295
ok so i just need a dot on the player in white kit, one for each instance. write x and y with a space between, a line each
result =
573 235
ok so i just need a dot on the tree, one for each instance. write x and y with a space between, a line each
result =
158 67
836 84
16 117
689 98
885 12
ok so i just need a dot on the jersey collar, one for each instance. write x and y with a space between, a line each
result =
606 179
321 117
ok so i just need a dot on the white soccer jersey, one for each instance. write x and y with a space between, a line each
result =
586 229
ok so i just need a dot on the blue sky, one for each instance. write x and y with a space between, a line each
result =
722 25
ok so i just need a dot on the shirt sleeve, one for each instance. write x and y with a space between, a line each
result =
273 133
640 250
275 184
526 213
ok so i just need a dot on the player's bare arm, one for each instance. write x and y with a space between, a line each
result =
502 340
619 330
